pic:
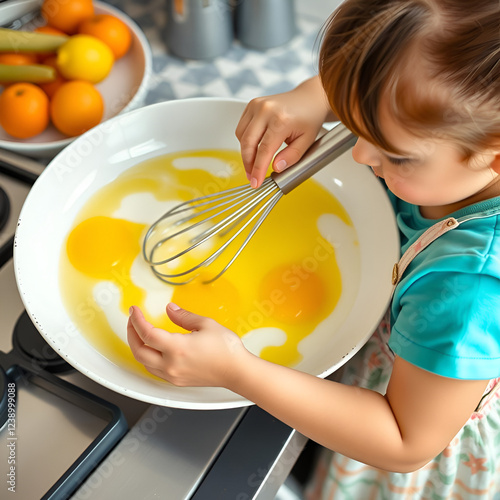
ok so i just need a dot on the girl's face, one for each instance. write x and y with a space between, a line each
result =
432 172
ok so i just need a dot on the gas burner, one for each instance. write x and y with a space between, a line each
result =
4 208
29 344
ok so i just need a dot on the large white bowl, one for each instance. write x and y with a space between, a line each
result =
123 90
100 155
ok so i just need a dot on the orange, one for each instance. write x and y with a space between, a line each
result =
50 87
111 30
24 110
49 30
66 15
17 58
76 107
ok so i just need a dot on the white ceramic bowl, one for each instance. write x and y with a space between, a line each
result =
123 90
100 155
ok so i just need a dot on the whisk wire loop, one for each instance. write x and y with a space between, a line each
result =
229 218
232 213
263 211
224 225
266 211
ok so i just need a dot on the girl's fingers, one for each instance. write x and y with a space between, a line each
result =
250 145
243 123
148 334
269 144
261 133
248 140
293 152
143 353
185 319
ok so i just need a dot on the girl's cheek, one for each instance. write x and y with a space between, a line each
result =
403 188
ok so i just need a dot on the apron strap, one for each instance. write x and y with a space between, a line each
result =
430 235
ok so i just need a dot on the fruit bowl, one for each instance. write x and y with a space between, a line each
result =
123 90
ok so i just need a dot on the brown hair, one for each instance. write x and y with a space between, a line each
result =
436 63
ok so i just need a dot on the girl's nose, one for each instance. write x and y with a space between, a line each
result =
365 153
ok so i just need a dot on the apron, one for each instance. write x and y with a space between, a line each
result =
467 469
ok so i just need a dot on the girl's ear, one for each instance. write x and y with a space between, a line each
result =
495 164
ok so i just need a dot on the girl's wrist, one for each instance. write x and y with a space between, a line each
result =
241 372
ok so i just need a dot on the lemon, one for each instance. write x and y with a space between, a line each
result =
84 57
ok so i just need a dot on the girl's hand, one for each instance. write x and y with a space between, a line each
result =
208 356
293 117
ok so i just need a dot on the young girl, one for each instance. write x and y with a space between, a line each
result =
417 414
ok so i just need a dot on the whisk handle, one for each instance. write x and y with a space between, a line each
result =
321 152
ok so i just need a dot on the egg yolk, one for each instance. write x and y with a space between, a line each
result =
99 244
297 295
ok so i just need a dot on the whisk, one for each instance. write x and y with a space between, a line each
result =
204 236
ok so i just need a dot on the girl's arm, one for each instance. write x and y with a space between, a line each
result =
293 117
400 431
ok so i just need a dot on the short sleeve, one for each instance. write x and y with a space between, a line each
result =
449 324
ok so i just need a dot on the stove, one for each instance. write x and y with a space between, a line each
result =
64 436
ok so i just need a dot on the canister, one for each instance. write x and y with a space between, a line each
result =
198 29
264 24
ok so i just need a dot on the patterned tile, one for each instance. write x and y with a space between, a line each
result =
241 72
243 78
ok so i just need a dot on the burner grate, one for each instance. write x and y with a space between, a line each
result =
29 344
4 208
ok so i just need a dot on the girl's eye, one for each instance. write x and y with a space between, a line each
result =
398 161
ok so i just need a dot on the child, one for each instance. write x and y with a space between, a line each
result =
418 81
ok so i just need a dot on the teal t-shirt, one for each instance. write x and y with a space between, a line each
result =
445 313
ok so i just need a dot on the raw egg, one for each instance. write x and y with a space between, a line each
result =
284 285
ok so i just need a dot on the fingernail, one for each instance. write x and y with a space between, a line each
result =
281 165
173 307
253 182
131 310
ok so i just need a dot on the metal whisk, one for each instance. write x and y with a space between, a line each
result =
213 230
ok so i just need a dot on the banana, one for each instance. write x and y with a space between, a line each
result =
24 41
33 73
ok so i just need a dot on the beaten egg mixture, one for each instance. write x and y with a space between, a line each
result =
283 285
